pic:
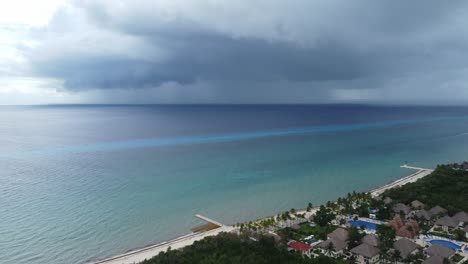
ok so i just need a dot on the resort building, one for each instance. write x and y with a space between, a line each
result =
417 205
366 254
406 247
339 233
446 223
440 251
436 260
370 240
373 212
422 215
461 218
437 211
333 247
304 249
336 243
400 208
466 231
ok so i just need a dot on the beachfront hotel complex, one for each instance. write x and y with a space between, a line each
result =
233 131
365 228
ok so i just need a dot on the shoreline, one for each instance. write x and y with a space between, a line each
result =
419 174
139 255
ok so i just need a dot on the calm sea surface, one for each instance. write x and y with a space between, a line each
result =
84 182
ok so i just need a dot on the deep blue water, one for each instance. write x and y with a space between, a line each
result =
86 182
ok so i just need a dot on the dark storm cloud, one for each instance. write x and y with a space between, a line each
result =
211 57
331 44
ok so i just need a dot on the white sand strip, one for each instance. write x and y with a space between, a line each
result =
421 173
140 255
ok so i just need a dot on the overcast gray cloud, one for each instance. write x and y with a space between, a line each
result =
297 51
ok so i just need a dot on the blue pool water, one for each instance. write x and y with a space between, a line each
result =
367 225
446 243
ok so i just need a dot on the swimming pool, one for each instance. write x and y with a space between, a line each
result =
360 223
445 243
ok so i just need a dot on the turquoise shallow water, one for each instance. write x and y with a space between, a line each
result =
79 183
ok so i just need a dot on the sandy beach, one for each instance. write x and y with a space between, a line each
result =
420 173
140 255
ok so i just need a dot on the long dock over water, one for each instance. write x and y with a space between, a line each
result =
420 173
204 218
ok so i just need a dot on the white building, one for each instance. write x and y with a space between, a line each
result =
366 254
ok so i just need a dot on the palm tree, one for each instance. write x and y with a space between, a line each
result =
353 259
330 248
396 256
383 254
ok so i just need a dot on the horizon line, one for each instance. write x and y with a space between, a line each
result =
239 104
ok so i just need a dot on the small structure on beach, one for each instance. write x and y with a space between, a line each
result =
209 225
204 218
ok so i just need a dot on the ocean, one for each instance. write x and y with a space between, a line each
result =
79 183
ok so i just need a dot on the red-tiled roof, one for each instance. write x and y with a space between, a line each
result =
299 246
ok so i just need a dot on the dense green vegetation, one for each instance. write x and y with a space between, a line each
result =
386 236
446 187
324 216
456 258
233 249
354 237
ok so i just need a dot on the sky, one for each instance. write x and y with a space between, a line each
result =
243 51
